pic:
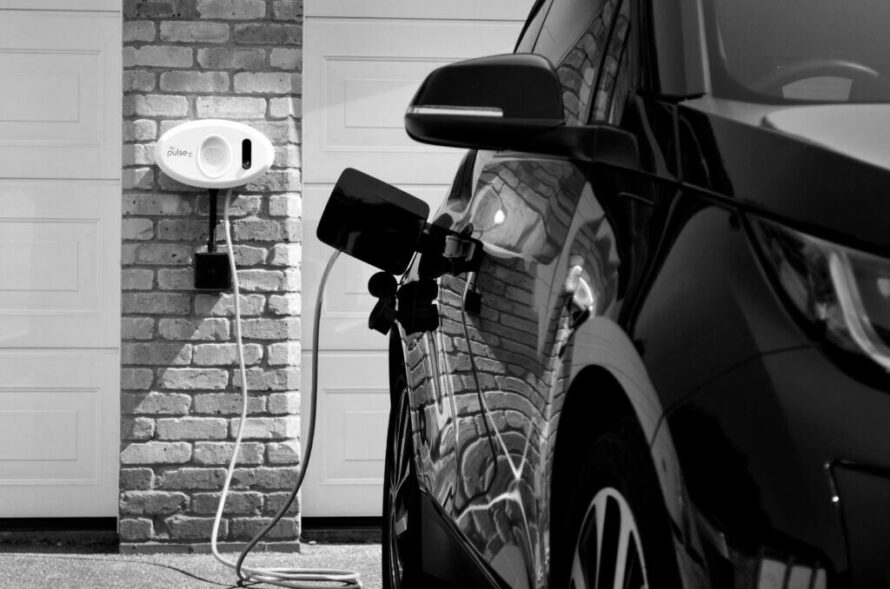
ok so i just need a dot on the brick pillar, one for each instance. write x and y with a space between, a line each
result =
183 60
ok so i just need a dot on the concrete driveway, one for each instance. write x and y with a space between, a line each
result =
50 569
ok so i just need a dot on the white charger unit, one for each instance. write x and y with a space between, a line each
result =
214 153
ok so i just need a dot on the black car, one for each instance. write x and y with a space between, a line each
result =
645 341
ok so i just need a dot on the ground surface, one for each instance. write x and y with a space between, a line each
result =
65 569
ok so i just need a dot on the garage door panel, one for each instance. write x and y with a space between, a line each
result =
40 426
363 62
363 78
367 100
54 121
59 254
426 9
50 87
68 5
345 479
59 433
347 303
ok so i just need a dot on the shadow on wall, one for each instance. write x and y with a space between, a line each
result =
181 401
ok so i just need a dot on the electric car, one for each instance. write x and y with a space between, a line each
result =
645 341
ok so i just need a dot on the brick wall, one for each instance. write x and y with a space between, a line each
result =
188 59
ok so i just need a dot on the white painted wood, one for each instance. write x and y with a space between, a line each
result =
67 5
344 477
505 10
358 80
60 243
60 88
59 433
363 63
59 263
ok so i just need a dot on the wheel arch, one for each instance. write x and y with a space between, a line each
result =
609 382
594 400
598 403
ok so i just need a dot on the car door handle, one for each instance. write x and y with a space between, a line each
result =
581 299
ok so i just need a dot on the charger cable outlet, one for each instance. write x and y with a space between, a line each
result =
212 270
294 578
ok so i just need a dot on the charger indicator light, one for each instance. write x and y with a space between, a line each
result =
246 149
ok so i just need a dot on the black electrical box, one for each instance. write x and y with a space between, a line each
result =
212 271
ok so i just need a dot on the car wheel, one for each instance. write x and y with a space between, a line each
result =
623 539
401 502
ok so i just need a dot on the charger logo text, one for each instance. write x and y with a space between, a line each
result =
177 152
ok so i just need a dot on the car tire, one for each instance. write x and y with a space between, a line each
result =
617 492
401 500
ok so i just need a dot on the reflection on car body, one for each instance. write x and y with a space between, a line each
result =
504 369
668 368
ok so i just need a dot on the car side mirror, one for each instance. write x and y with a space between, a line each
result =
509 102
373 221
491 100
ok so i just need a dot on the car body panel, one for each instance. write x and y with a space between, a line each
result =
487 434
836 198
501 398
755 447
718 319
488 468
744 410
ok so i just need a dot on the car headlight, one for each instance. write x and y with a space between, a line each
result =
844 293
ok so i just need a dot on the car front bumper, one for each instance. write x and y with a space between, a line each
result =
787 458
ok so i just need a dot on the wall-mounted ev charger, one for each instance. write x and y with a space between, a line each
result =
213 154
216 154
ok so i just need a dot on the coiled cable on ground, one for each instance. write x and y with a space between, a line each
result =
294 578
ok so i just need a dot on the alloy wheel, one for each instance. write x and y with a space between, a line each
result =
608 552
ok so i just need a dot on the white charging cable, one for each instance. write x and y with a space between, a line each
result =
294 578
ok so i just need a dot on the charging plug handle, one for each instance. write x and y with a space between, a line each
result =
383 286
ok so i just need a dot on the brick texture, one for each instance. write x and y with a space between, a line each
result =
184 60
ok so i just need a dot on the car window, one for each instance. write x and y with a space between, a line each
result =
799 50
618 73
573 38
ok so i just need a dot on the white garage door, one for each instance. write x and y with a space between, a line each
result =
363 62
60 105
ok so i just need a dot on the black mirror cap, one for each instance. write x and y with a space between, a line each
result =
518 85
373 221
487 102
509 102
598 143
